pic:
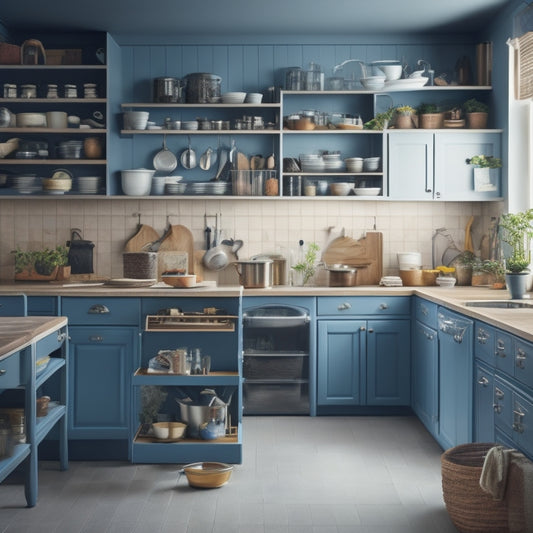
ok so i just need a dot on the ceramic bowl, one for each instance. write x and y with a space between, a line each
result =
445 281
208 475
137 182
161 430
180 280
340 189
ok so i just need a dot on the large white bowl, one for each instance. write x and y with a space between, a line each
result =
137 182
340 189
373 83
367 191
392 72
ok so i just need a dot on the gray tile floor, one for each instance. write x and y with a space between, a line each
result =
299 475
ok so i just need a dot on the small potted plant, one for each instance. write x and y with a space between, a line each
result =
477 113
429 116
40 265
489 272
483 164
405 117
516 231
305 269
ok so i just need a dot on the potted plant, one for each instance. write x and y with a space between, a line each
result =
305 269
405 117
380 121
40 265
477 113
489 272
152 397
429 116
483 164
516 231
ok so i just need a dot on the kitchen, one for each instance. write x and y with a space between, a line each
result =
255 222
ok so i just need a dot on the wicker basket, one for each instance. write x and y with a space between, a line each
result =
470 508
431 121
9 54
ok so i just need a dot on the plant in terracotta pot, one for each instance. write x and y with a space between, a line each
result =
39 264
429 116
477 113
489 272
483 164
516 231
405 117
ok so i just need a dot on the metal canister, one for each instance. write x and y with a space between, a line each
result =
167 90
202 88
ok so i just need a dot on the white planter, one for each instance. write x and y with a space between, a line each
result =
484 180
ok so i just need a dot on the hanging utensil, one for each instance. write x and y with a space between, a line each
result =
207 159
232 156
188 157
165 160
221 164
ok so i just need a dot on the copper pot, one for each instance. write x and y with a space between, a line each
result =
342 276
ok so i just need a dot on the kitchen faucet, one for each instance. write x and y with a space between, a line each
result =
340 65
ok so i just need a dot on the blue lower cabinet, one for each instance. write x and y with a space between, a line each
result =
102 362
483 404
363 362
424 376
13 305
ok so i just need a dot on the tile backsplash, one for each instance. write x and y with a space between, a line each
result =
265 226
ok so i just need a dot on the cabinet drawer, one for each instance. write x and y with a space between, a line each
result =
484 343
523 357
51 343
364 305
89 311
426 312
10 372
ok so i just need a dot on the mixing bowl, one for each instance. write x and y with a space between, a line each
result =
137 182
207 475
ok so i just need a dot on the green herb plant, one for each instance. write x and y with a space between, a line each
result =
516 230
426 109
43 261
405 110
485 161
475 106
380 121
307 267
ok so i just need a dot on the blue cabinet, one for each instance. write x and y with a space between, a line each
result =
13 305
483 404
363 362
102 361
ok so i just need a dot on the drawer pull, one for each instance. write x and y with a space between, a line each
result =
483 381
500 349
96 338
61 336
497 408
3 371
499 394
98 309
344 306
362 328
482 336
517 422
520 359
383 306
424 310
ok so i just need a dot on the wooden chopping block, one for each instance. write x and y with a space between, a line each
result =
242 162
199 265
179 239
366 254
145 235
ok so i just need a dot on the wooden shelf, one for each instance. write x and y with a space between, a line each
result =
190 106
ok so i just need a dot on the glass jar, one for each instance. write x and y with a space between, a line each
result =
52 91
71 91
10 90
28 90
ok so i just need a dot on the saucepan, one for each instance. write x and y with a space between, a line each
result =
218 257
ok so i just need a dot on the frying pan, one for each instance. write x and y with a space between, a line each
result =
165 160
188 157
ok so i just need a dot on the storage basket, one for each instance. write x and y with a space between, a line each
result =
9 54
431 121
412 278
470 508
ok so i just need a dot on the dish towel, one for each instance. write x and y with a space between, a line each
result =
493 477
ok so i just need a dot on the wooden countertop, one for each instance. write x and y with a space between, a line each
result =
18 332
516 321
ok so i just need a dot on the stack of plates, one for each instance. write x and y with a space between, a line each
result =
26 183
371 164
391 281
253 98
209 187
233 98
89 90
312 163
333 162
175 188
88 184
70 149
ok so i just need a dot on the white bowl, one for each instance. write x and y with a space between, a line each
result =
371 164
367 191
253 98
354 164
31 120
445 281
233 98
137 182
340 189
374 83
392 72
135 120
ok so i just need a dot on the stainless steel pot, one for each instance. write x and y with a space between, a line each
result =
202 88
279 267
255 274
342 276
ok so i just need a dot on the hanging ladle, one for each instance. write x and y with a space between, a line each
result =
207 158
188 157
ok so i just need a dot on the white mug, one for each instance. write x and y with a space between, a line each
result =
56 119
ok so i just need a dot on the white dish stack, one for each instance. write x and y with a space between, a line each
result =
88 184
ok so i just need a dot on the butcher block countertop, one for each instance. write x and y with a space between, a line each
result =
516 321
18 332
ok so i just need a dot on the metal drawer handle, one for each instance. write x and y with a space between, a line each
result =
344 306
429 336
2 371
521 358
499 394
517 421
497 408
96 338
482 336
98 309
424 310
483 381
61 336
383 306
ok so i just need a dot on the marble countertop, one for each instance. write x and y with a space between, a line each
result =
18 332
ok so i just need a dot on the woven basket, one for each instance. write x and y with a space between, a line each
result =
431 121
9 54
470 508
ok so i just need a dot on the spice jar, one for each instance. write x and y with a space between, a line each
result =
52 91
272 185
10 90
92 148
28 91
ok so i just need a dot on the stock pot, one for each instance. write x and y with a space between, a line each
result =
255 274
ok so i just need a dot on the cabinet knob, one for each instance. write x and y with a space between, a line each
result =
98 309
520 358
370 330
362 328
383 306
483 381
497 408
2 371
61 336
96 338
344 306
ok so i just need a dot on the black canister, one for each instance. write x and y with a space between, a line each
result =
202 88
167 90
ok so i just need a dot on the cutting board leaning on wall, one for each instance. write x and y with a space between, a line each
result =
366 254
144 236
179 239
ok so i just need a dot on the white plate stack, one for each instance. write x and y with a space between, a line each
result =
312 163
26 183
88 184
333 162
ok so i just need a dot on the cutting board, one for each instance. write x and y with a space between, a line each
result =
366 254
145 235
179 239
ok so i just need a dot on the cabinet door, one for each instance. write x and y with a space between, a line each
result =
341 345
454 178
101 365
425 386
483 409
522 426
410 165
388 362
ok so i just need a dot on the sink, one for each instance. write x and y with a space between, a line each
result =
502 304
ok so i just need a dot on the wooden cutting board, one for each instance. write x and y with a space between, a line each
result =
366 254
145 235
179 239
